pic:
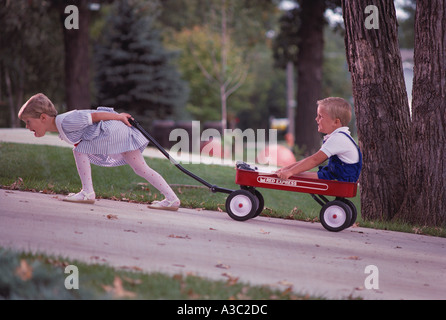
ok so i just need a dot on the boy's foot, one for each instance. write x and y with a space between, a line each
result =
81 197
165 205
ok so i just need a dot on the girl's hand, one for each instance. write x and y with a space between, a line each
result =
124 117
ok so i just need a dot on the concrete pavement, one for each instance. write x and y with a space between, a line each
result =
276 252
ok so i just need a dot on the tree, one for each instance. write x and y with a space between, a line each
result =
406 30
286 44
426 196
305 26
220 37
194 61
77 51
134 71
309 73
31 55
381 105
225 77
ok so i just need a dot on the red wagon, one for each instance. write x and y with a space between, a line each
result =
248 203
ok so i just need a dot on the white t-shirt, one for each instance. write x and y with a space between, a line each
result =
337 143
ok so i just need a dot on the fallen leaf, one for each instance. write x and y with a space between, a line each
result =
231 279
117 290
132 281
24 271
222 266
179 237
192 295
16 184
285 283
133 268
287 291
264 232
112 216
178 277
354 258
179 265
98 258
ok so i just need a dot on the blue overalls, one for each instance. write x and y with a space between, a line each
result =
338 170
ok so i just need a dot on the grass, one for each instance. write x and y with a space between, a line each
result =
41 277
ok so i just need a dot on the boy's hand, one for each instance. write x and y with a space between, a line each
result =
284 174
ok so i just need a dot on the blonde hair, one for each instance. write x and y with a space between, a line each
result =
337 108
36 105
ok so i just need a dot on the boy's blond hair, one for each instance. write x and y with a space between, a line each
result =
337 108
36 105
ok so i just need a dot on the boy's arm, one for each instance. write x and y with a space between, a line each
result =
105 116
288 166
303 165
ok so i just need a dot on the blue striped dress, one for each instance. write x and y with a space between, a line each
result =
103 141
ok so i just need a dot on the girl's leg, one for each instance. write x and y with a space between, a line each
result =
139 165
84 169
87 194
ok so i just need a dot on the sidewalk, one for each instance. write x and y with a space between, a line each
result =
21 135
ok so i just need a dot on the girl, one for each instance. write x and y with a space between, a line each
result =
102 137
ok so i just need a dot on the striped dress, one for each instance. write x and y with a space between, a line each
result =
103 141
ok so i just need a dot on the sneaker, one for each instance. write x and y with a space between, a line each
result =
165 205
81 197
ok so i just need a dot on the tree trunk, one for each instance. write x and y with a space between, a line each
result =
381 106
77 58
426 198
309 71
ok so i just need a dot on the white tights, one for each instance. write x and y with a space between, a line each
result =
138 164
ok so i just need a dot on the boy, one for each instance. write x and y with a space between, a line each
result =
345 159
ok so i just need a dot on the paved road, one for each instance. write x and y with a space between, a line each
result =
275 252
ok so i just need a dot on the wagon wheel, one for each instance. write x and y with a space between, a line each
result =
335 215
260 202
241 205
354 211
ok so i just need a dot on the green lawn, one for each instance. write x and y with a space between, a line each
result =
38 276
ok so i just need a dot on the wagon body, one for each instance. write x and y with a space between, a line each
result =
296 184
